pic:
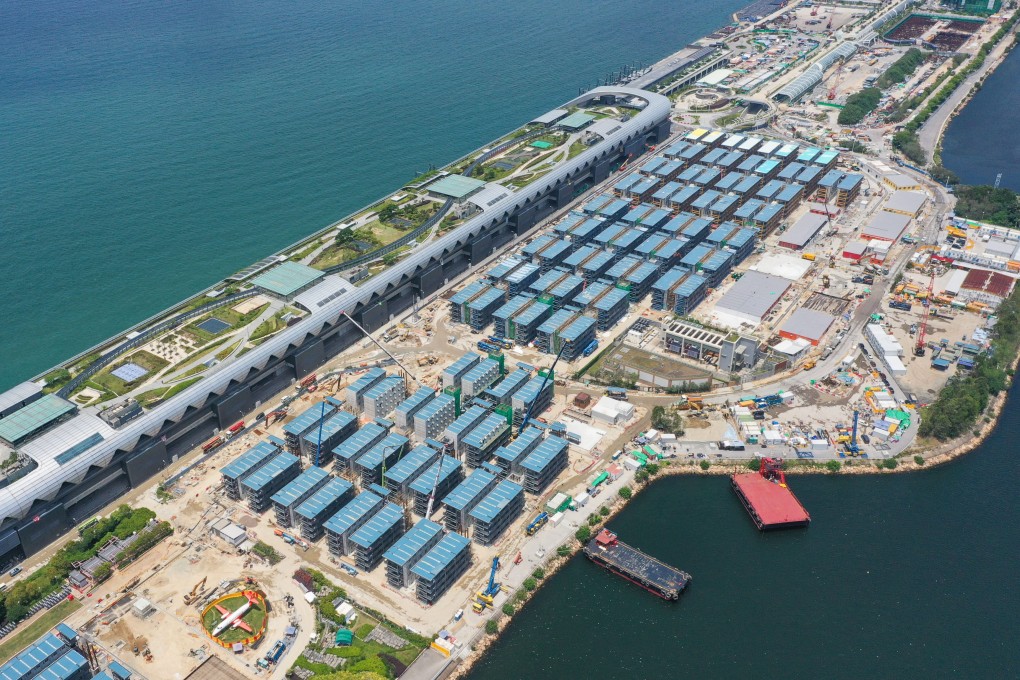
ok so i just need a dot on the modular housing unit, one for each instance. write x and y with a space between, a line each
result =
384 396
461 500
441 567
432 419
484 438
510 456
407 469
403 415
484 373
494 513
453 373
384 453
309 420
301 488
532 395
318 444
501 392
459 428
357 389
543 464
270 478
341 526
408 550
322 505
442 476
356 446
239 469
374 537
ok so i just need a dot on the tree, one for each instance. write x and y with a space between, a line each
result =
539 573
491 627
753 465
530 584
345 236
833 466
604 511
652 469
563 551
390 259
387 213
593 520
919 460
641 476
521 595
583 534
667 420
508 609
705 465
625 493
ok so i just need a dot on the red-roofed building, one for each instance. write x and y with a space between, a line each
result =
992 283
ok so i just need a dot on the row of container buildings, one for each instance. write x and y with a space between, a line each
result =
674 227
380 481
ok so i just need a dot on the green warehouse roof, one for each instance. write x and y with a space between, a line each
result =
576 121
33 417
287 279
456 186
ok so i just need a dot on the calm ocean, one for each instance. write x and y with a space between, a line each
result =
151 148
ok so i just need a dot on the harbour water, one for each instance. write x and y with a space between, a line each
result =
152 148
982 140
898 576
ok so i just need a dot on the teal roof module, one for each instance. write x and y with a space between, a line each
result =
422 395
483 432
477 483
544 453
320 500
445 467
383 449
381 522
356 445
363 504
301 484
251 458
287 278
270 471
413 462
440 557
34 417
509 384
408 545
330 427
496 500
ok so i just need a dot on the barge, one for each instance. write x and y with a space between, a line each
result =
767 498
640 569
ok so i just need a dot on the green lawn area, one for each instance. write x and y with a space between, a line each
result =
254 617
575 149
268 327
26 635
153 397
334 255
227 316
106 381
307 250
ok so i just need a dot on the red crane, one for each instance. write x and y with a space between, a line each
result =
919 348
772 470
835 81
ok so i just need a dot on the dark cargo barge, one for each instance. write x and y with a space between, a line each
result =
665 581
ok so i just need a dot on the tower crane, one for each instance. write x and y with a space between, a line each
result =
919 348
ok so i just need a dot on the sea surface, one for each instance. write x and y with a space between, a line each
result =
898 576
982 140
151 148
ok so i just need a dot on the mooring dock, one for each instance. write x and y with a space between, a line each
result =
654 576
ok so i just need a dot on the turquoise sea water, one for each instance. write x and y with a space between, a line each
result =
151 148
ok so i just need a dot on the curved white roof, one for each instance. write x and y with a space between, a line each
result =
45 481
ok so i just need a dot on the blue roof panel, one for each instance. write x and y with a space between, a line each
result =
408 545
440 557
381 522
489 507
320 500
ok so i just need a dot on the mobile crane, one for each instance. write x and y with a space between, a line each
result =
485 597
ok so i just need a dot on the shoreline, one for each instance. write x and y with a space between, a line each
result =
942 454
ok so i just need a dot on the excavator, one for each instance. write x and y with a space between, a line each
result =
193 595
